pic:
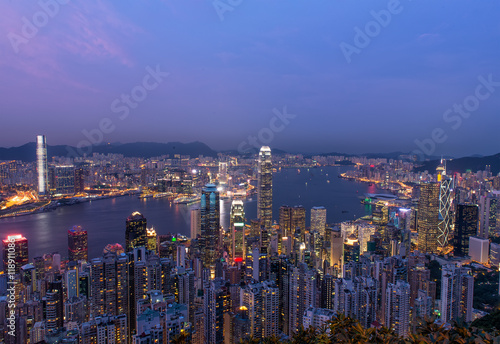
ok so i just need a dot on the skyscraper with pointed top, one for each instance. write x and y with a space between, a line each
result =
265 187
445 205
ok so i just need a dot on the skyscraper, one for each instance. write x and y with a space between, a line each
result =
41 165
428 217
210 224
265 187
397 313
457 290
64 179
318 220
15 248
136 232
466 225
77 244
285 218
445 203
195 222
237 228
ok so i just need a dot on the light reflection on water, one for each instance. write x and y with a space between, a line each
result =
105 219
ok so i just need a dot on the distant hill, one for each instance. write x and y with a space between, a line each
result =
463 164
26 152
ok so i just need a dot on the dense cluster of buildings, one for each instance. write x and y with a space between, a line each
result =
260 277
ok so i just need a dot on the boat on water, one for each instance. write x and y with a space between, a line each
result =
187 200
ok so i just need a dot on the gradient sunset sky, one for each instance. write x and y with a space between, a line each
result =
226 76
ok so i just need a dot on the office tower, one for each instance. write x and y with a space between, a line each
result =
285 220
261 301
479 249
265 187
488 206
494 254
445 206
15 248
301 295
336 249
428 217
298 220
64 179
54 305
79 180
109 285
195 222
317 317
136 232
210 225
466 225
397 313
72 283
318 220
457 290
151 241
351 249
41 165
77 244
216 302
237 228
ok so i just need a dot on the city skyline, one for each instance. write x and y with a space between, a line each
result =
231 75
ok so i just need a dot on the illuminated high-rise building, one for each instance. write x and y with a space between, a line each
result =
77 244
291 219
151 241
195 222
210 224
318 220
457 291
237 228
41 165
15 248
265 187
298 221
488 209
64 179
397 308
136 232
285 218
466 225
428 217
445 206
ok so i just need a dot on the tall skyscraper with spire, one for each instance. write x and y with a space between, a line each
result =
41 165
445 203
265 187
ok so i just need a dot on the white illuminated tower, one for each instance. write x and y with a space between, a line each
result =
41 164
265 188
445 205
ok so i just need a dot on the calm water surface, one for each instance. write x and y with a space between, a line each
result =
105 219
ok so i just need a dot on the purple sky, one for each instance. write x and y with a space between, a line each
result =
226 76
